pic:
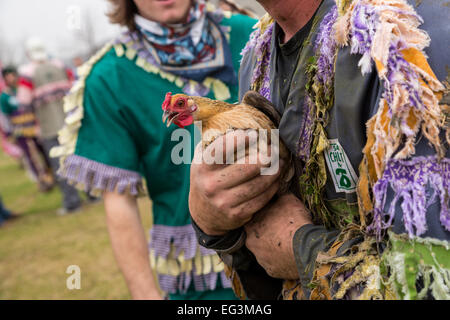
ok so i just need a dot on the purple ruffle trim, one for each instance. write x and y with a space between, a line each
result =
98 176
181 283
183 238
262 52
409 180
326 46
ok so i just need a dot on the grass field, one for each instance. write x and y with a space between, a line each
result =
37 248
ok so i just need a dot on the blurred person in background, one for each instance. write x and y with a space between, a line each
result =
114 136
8 147
22 131
2 81
5 214
42 86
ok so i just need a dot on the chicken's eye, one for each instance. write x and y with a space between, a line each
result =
180 103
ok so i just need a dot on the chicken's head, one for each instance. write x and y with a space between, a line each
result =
178 109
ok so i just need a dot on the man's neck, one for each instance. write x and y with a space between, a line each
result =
291 15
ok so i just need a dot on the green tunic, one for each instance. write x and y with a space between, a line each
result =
122 139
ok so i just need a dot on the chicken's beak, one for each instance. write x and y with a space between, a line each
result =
165 115
169 115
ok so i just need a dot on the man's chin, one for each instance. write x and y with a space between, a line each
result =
174 14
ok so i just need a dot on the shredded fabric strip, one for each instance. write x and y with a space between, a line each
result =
416 184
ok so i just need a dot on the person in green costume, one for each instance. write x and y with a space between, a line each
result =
24 129
113 137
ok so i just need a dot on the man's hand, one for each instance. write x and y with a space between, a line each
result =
270 234
225 197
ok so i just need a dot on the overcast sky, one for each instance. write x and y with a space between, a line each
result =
61 24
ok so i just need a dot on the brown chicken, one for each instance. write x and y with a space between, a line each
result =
218 117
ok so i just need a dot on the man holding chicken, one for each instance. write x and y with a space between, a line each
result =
364 102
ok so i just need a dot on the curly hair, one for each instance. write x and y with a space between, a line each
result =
123 12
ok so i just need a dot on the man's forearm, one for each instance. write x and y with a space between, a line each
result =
130 246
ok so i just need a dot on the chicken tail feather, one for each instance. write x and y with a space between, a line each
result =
254 99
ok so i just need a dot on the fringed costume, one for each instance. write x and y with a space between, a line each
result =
367 117
114 137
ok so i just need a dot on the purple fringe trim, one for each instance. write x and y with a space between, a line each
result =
325 47
98 176
183 238
262 51
181 283
363 23
409 180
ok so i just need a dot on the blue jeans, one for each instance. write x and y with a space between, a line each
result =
71 199
4 213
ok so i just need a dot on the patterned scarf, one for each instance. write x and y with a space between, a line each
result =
196 49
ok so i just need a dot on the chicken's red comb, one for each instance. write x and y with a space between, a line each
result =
166 103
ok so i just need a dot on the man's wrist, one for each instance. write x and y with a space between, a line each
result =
212 231
221 243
